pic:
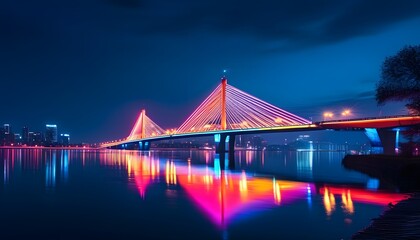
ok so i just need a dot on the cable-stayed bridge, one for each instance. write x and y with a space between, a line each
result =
228 111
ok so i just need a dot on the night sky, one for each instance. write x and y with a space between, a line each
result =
90 66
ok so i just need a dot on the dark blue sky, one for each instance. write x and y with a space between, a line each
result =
91 65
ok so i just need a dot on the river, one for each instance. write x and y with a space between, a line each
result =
114 194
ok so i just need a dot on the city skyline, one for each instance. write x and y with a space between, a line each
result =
26 136
93 71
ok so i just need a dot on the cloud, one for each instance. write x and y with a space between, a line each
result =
287 24
367 17
292 23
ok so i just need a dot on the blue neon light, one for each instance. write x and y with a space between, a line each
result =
217 137
373 136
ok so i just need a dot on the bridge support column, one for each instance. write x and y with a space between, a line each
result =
389 140
144 146
220 140
231 154
383 138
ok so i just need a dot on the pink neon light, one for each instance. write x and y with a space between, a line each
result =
225 197
151 128
243 112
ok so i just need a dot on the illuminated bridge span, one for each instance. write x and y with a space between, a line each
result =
228 111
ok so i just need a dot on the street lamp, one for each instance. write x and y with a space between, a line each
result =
346 112
328 115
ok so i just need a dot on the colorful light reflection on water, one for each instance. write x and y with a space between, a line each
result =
231 200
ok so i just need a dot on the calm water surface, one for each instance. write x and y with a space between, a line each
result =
75 194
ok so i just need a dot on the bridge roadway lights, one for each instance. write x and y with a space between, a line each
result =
221 140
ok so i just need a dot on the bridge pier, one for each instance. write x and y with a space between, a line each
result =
384 138
144 146
389 140
221 140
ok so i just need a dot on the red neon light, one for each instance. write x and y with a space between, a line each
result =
365 196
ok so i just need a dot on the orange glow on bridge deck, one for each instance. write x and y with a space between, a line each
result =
372 123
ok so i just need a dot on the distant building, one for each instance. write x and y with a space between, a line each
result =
25 135
6 135
244 141
17 139
257 143
51 135
64 139
250 142
35 138
6 128
2 137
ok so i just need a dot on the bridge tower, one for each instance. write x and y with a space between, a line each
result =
143 124
221 144
223 107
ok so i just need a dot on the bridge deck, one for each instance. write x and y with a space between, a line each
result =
385 122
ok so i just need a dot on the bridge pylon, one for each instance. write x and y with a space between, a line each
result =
144 128
228 108
223 122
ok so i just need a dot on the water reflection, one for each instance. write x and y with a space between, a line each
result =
347 202
349 196
170 173
6 171
304 163
19 160
64 164
50 168
230 196
262 182
329 202
140 167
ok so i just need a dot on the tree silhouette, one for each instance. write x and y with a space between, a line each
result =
400 79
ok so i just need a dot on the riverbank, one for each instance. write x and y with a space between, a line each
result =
402 220
400 172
